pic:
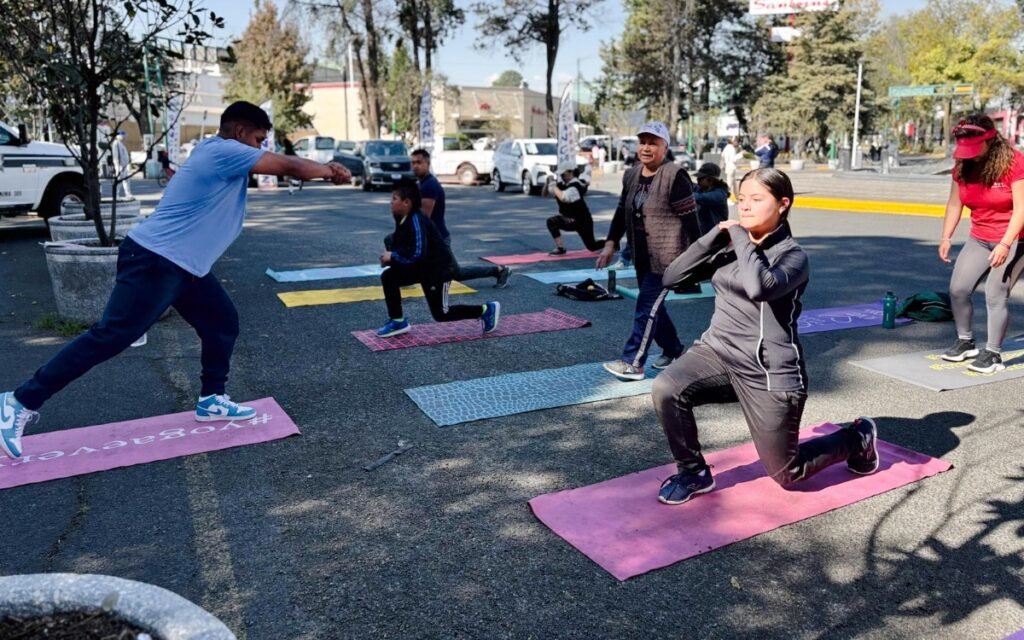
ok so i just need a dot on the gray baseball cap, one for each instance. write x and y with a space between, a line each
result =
655 128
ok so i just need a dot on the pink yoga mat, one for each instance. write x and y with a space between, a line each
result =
75 452
529 258
620 525
423 335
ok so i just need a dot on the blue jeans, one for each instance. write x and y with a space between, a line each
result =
146 285
651 321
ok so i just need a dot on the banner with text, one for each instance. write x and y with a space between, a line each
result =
426 118
782 7
566 128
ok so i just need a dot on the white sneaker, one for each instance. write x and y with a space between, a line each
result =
14 417
214 408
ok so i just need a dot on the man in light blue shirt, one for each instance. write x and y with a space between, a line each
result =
166 261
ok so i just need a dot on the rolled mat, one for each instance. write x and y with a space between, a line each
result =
75 452
513 393
355 294
424 335
620 525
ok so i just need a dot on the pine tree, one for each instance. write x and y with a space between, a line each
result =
270 64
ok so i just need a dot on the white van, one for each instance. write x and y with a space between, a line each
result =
528 162
36 176
315 148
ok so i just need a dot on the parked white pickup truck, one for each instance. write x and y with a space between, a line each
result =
455 156
36 176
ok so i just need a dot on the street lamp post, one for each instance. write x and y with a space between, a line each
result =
856 116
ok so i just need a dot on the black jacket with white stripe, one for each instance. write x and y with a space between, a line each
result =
757 303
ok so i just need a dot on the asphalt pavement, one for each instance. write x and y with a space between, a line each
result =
292 539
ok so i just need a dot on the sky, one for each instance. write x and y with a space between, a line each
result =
467 66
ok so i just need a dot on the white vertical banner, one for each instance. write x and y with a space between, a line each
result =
426 117
267 183
173 125
566 128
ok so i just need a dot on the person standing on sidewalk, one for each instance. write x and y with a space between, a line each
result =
122 165
573 212
988 179
658 213
766 151
751 353
432 194
731 156
165 262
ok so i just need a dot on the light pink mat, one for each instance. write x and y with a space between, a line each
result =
620 525
74 452
530 258
431 333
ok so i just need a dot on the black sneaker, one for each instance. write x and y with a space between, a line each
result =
681 487
503 276
865 461
960 351
557 251
987 362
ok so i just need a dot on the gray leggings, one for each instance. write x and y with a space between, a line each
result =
971 267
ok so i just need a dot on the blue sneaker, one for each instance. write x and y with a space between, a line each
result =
213 408
393 328
14 417
681 487
491 315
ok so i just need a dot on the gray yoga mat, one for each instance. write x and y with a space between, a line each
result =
927 368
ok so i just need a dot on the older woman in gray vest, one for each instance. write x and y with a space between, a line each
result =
657 212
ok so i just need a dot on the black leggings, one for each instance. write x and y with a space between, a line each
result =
700 377
583 226
436 291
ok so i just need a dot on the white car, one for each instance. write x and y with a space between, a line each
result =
315 148
456 156
36 176
528 162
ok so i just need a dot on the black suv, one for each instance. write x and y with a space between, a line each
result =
385 162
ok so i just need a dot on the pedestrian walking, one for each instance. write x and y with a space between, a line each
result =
751 353
657 212
988 179
166 261
122 165
731 155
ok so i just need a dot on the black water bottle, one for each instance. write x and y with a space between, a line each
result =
611 281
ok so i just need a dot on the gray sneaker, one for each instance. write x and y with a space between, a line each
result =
987 362
624 371
662 362
504 273
960 351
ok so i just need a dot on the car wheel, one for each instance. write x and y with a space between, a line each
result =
527 185
66 190
496 181
468 175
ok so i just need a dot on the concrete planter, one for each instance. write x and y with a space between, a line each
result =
82 276
796 165
75 226
158 611
124 207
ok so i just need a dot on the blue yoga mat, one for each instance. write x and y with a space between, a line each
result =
512 393
706 291
574 276
326 273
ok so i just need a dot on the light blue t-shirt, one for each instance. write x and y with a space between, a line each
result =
203 207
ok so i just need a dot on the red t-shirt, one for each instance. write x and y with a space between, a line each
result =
991 207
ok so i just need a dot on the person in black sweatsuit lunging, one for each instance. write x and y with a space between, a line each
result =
416 254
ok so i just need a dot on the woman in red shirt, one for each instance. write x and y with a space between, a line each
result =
988 179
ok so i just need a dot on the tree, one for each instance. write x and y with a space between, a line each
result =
520 23
402 90
817 93
508 78
270 64
428 23
81 57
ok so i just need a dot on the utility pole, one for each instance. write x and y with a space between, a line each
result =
856 116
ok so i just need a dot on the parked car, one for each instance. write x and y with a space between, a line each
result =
528 162
626 149
55 176
315 148
353 163
348 146
682 157
456 156
385 162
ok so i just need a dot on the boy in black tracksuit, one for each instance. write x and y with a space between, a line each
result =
418 255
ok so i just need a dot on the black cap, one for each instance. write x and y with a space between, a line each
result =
709 170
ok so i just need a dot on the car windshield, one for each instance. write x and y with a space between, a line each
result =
345 145
324 144
542 148
386 149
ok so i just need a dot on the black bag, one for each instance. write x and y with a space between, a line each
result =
587 291
927 306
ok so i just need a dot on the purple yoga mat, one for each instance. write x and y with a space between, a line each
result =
620 525
423 335
834 318
75 452
1017 636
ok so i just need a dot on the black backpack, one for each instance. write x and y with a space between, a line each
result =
587 291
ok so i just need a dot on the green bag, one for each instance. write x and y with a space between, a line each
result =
927 306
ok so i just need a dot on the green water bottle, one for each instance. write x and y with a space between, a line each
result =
611 281
889 310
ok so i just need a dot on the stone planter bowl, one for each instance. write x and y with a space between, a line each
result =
158 611
75 226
